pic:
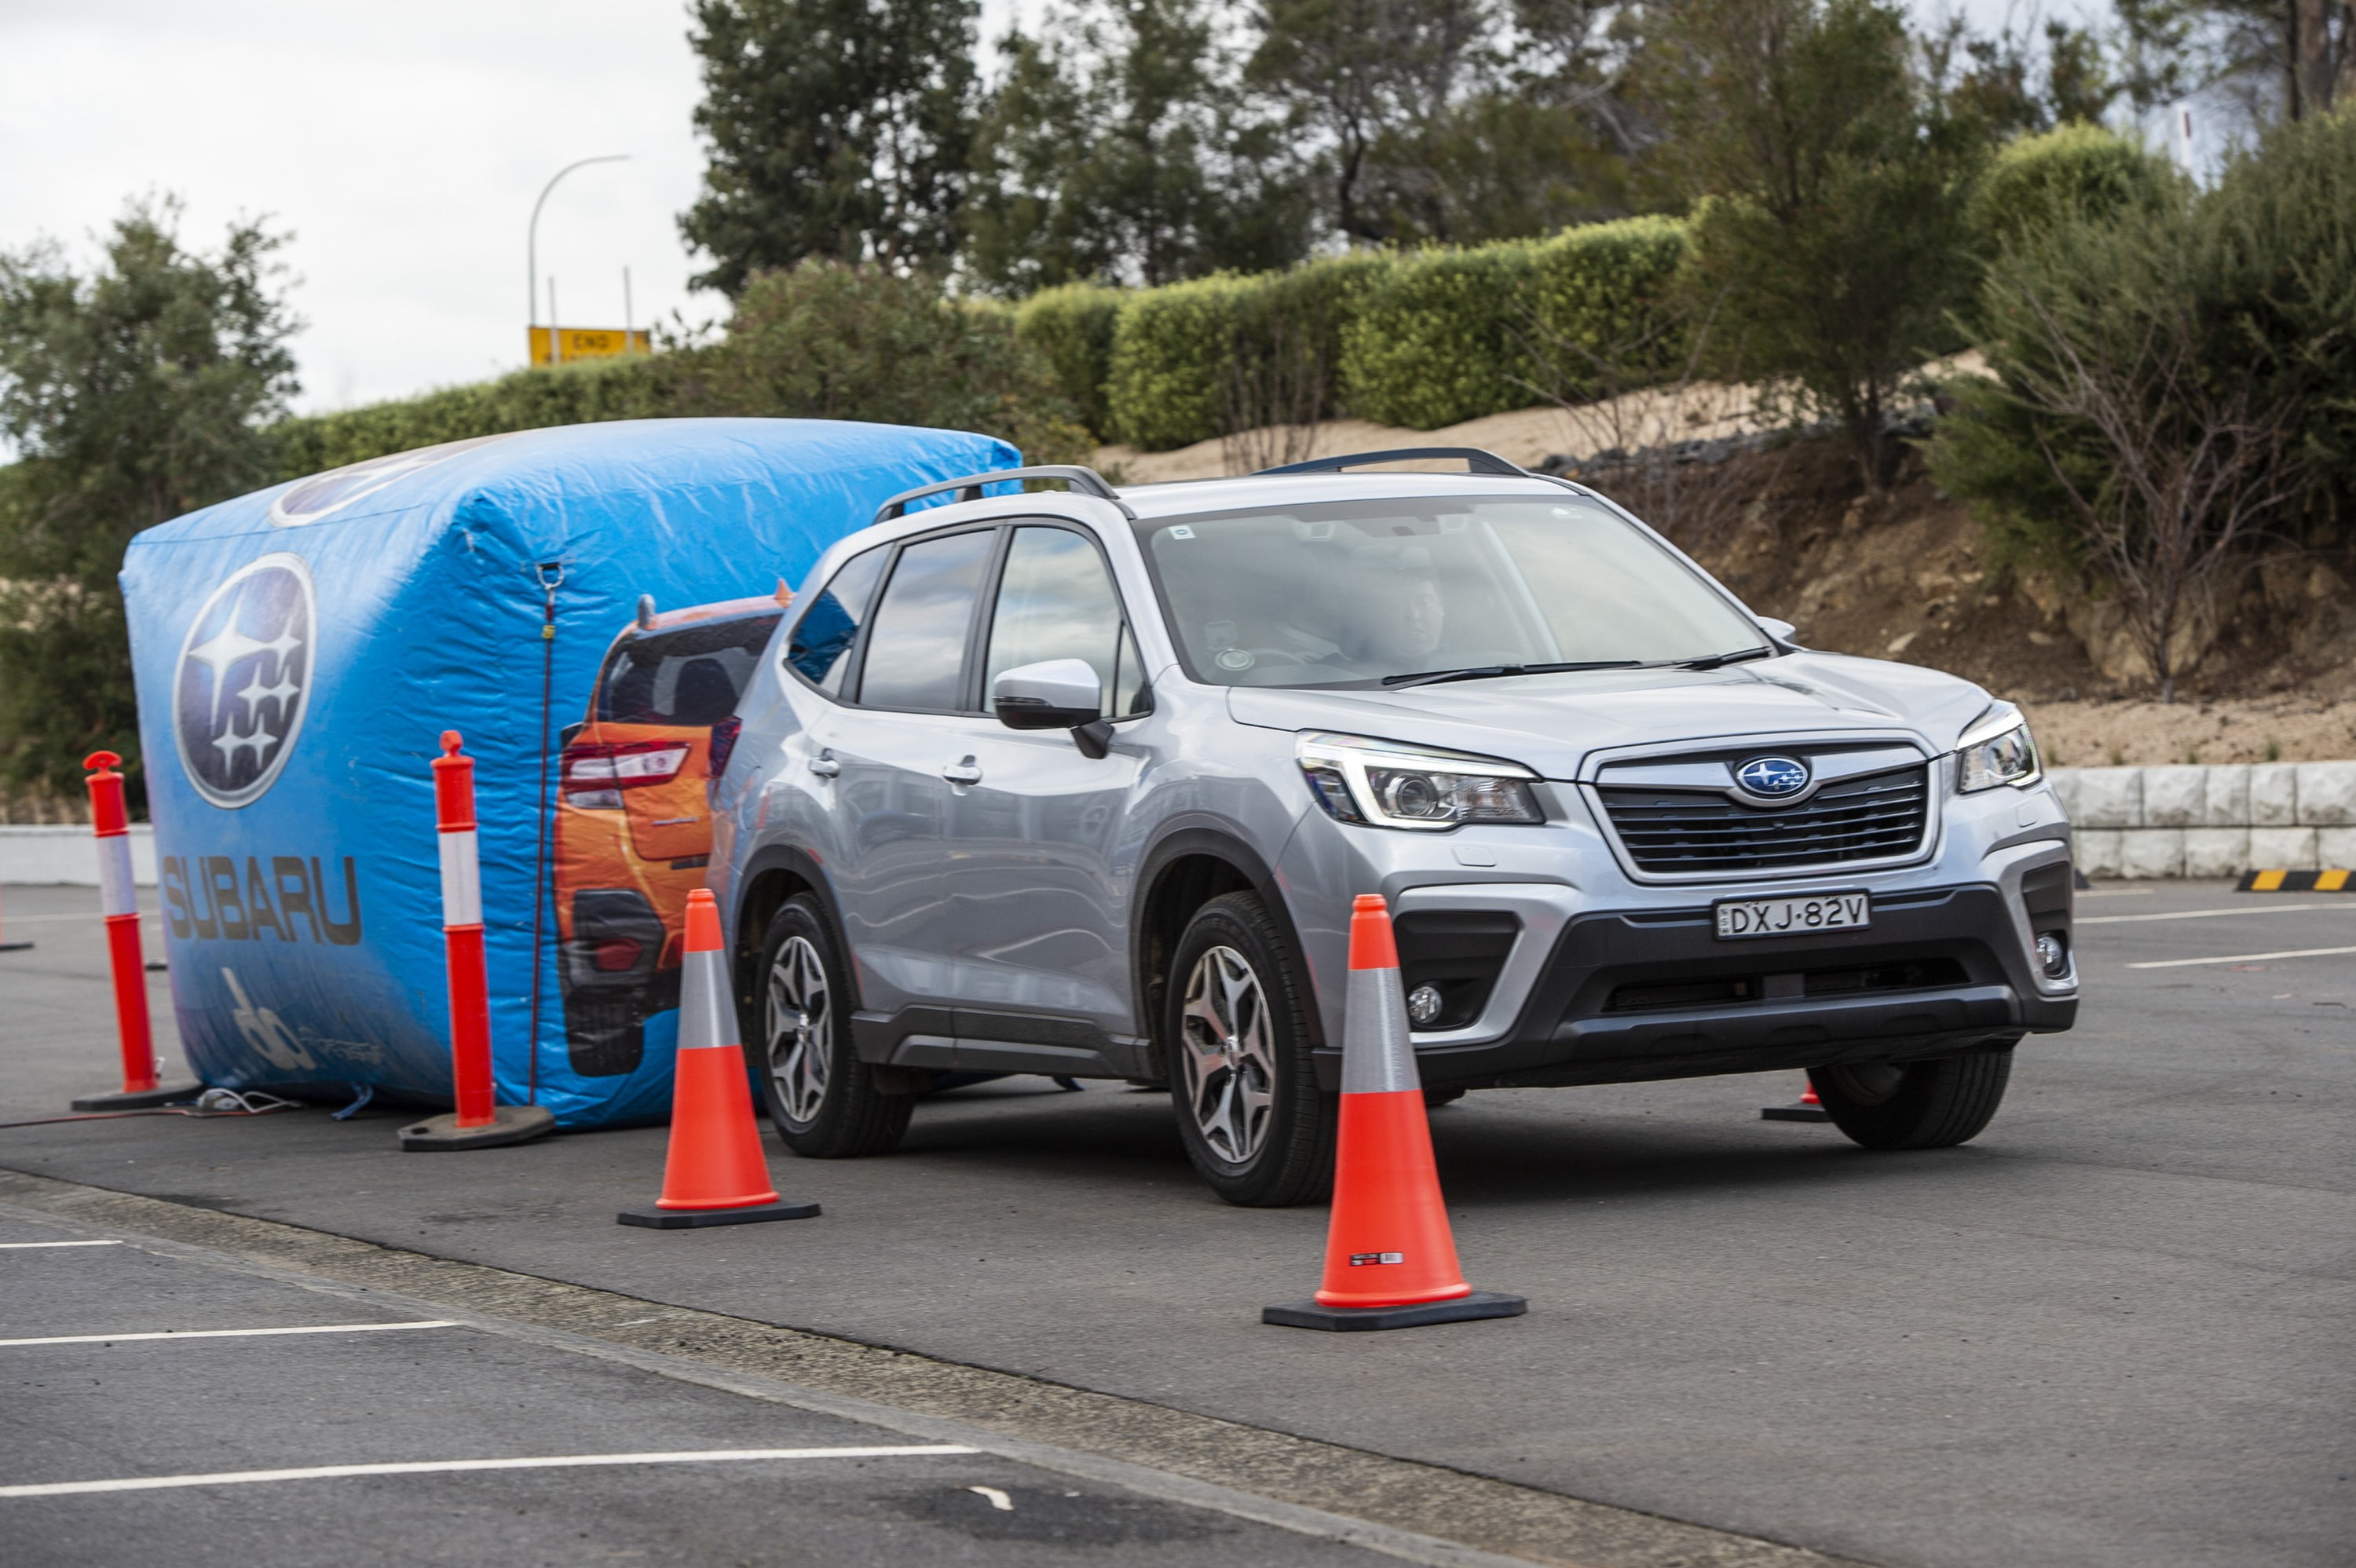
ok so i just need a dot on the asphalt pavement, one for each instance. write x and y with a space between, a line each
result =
2110 1331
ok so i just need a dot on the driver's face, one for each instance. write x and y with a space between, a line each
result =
1408 620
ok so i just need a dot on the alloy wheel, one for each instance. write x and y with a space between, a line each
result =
799 1018
1227 1056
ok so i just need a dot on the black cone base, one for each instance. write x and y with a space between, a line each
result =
1794 1114
697 1219
13 946
1357 1319
140 1099
509 1124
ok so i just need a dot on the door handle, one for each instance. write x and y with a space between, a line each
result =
824 765
963 773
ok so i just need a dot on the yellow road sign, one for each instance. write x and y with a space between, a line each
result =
588 343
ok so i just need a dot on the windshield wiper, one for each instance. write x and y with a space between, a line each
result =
1714 660
1491 671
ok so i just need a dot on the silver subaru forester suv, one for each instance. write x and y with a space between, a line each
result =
1083 783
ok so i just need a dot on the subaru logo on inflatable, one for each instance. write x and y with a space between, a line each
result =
238 690
1772 778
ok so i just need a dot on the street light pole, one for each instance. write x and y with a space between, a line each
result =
532 249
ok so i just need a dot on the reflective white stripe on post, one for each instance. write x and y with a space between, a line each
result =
115 893
462 881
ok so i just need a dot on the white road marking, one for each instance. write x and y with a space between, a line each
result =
998 1500
2243 957
21 1246
439 1466
2207 913
2117 893
235 1333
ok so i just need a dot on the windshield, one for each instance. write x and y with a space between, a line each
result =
1358 592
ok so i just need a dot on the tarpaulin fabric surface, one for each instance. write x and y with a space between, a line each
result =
299 651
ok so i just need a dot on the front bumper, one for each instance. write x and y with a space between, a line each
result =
1628 994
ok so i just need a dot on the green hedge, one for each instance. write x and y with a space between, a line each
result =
1452 334
2076 170
585 393
1073 327
1177 351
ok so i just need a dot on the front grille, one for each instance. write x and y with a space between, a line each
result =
1871 817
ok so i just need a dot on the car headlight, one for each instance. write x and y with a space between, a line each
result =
1997 750
1385 784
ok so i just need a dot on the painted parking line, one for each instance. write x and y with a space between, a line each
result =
235 1333
2208 914
28 1246
445 1467
2243 957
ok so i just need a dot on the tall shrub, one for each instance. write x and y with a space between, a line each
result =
1436 340
1073 327
2074 170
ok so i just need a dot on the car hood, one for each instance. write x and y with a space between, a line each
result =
1555 724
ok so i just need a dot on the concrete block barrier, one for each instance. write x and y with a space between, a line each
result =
65 854
2220 821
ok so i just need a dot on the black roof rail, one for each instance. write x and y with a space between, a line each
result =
1476 460
1087 481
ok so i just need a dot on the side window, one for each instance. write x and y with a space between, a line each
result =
915 648
821 644
1055 602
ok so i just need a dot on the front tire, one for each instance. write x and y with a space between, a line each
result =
823 1098
1915 1104
1256 1125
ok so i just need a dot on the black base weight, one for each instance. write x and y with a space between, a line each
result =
697 1219
509 1124
13 946
1794 1114
1357 1319
140 1099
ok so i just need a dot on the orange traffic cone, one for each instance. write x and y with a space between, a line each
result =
716 1173
1390 1260
1809 1109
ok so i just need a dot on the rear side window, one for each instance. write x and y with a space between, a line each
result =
915 648
690 676
820 645
1056 601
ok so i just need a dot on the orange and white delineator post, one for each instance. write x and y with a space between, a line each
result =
479 1121
714 1173
110 826
1390 1258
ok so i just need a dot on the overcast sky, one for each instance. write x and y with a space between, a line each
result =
403 143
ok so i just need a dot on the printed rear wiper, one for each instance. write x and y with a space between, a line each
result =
1713 661
1491 671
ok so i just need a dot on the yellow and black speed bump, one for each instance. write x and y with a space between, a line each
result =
2295 882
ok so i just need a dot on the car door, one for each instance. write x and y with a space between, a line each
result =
907 734
1042 912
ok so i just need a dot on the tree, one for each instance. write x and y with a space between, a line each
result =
1833 186
1378 81
1119 150
133 394
2113 415
837 128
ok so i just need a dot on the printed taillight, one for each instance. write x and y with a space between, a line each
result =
596 774
615 954
724 746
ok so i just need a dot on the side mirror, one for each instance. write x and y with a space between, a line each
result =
1782 630
1054 694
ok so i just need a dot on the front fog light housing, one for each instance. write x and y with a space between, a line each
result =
2053 954
1997 750
1385 784
1424 1006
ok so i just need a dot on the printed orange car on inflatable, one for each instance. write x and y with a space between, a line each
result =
633 826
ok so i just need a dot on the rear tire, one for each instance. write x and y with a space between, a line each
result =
823 1098
1915 1104
1256 1125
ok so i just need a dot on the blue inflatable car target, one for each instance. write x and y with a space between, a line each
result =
584 605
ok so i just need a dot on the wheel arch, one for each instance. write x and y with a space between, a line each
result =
1186 869
773 875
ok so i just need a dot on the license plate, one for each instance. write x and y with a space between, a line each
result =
1792 917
